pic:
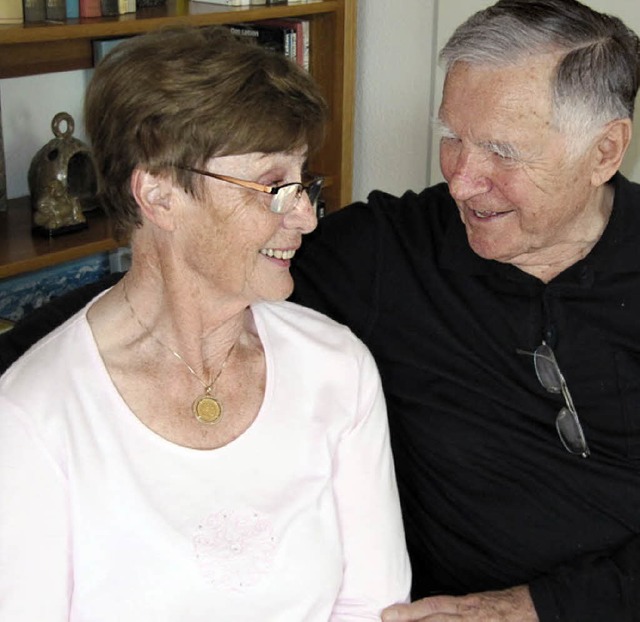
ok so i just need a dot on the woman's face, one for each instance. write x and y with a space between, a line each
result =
233 241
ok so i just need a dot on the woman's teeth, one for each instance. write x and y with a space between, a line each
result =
278 254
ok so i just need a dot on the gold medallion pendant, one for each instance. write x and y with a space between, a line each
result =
207 409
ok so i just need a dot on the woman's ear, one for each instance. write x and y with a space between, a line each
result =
610 149
154 194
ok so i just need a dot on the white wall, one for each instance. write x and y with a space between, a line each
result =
28 106
393 90
451 14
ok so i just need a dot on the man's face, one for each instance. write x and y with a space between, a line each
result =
521 199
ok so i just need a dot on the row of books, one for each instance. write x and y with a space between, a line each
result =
18 11
288 36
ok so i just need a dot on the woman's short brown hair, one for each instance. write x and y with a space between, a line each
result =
181 96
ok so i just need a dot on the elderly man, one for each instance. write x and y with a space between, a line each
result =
503 309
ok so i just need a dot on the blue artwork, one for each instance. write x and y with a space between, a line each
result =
22 294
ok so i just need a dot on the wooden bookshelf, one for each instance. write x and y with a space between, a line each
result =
21 251
31 49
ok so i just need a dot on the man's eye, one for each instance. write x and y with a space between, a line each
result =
505 157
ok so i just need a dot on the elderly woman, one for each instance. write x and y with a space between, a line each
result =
189 446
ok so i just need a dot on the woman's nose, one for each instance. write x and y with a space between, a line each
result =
303 215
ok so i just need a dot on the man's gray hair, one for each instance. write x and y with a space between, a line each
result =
597 76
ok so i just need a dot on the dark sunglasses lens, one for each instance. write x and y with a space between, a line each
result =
570 432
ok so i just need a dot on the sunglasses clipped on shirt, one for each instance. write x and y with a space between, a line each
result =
285 197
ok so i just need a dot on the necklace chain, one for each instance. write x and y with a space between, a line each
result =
205 408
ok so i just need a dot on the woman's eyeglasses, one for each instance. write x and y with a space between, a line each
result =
285 197
567 421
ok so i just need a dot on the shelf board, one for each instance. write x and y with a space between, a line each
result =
21 251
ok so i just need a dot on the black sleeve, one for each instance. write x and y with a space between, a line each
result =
593 589
43 320
335 270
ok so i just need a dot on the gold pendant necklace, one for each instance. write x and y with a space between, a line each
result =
205 408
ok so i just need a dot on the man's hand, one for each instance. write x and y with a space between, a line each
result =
512 605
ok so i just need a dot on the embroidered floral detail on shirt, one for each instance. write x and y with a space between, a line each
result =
234 548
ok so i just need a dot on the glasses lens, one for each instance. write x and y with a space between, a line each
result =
314 189
570 432
286 198
547 369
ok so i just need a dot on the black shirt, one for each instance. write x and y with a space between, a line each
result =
490 497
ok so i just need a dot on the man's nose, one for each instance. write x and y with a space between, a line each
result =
471 175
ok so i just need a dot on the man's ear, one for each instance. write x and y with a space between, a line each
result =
154 195
610 148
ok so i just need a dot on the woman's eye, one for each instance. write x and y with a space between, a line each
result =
274 182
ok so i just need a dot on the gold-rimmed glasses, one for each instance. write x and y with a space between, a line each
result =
285 196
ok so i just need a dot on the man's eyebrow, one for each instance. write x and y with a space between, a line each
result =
503 149
500 148
442 130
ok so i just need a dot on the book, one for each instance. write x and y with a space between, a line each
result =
197 7
299 39
271 37
109 8
290 35
56 10
227 2
35 10
126 6
11 12
90 8
73 9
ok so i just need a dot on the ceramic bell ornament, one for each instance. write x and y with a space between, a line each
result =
62 181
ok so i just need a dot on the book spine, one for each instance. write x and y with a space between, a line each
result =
109 7
304 46
271 37
11 12
73 9
298 32
35 10
228 2
56 10
90 8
